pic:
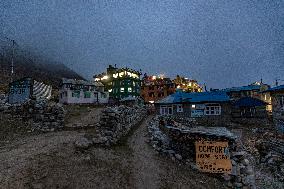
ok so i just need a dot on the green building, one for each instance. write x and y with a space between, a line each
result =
120 82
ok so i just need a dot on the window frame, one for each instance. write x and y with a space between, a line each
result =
214 110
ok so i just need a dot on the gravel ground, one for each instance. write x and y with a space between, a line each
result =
50 160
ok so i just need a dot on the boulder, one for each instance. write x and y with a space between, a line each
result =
82 143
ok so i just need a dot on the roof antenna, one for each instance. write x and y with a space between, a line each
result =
205 88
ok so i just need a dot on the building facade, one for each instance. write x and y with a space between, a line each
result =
254 90
82 92
154 88
22 90
187 85
120 82
203 104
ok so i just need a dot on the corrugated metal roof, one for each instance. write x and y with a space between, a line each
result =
178 97
278 88
81 82
243 88
249 102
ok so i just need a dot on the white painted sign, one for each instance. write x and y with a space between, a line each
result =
197 113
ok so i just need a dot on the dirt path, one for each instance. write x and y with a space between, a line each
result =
146 169
49 160
83 117
151 170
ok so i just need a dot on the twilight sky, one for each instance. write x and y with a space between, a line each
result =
221 43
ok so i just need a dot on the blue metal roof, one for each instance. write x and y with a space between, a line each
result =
249 102
278 88
178 97
243 88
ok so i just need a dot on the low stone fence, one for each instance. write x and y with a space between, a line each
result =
117 122
44 116
47 116
179 145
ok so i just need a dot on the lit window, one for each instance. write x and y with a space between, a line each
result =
110 90
129 73
179 108
193 106
115 75
105 77
129 89
121 89
121 74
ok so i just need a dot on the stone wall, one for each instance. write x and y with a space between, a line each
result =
47 116
43 115
117 122
178 143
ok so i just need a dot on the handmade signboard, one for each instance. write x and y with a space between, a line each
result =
213 157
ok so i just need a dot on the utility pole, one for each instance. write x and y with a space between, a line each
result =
13 57
12 62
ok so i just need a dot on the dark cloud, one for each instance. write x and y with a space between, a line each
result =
221 43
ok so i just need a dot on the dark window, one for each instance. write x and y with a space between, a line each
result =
152 94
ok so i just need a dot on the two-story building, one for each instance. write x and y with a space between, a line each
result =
74 91
155 88
120 82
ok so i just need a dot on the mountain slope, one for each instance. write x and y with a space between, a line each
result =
42 70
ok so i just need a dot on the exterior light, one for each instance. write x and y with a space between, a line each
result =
105 77
178 86
151 101
193 106
154 77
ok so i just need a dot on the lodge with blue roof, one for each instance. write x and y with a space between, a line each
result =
209 105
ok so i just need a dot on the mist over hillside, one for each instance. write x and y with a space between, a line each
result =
28 64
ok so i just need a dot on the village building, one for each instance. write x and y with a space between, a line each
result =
74 91
248 107
155 88
187 85
120 82
277 101
22 90
254 90
211 105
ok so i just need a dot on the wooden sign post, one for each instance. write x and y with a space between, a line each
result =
213 157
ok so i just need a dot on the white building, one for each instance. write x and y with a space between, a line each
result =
74 91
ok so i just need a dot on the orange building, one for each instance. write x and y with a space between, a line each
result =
155 88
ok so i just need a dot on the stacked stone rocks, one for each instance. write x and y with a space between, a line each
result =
159 140
242 175
47 116
117 122
178 144
44 116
